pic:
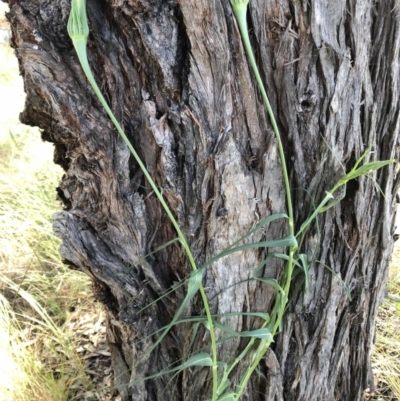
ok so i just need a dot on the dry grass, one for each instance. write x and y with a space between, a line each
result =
52 334
386 358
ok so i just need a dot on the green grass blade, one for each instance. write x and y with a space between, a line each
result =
166 293
260 225
195 329
288 241
318 210
273 282
263 334
305 267
161 247
194 283
227 329
362 157
202 359
197 320
366 169
231 396
273 255
346 287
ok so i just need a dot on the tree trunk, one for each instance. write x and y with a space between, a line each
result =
176 75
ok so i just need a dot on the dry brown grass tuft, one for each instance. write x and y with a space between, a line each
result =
52 333
386 356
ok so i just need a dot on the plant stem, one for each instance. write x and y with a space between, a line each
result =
239 8
78 30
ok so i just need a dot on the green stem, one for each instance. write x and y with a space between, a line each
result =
239 8
78 30
240 14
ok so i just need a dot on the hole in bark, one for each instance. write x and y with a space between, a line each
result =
348 35
60 158
183 55
70 265
133 167
352 188
103 294
60 196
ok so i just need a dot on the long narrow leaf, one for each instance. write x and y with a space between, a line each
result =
260 225
203 320
305 267
273 255
346 287
362 157
227 397
170 291
263 334
272 282
194 284
202 359
318 210
366 169
161 247
288 241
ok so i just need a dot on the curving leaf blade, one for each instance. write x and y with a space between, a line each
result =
263 334
202 359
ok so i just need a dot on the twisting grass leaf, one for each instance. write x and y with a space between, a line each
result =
262 315
202 359
227 329
273 282
225 382
273 255
155 376
280 302
335 201
227 397
346 287
306 269
263 334
356 172
288 241
362 157
259 226
321 207
164 294
197 320
194 283
161 247
195 329
365 169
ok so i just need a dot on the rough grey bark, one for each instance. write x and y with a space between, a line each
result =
176 75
